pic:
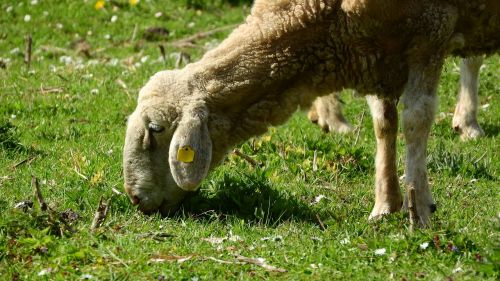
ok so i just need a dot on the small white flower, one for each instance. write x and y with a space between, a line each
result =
34 2
87 276
456 270
89 33
109 152
380 252
159 14
27 18
312 265
13 116
15 51
113 62
317 199
345 241
94 91
45 13
144 59
191 25
9 9
59 25
107 36
45 271
66 60
114 18
424 245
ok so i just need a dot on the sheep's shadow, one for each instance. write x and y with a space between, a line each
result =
491 130
248 196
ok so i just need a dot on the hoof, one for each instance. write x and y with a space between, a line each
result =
433 208
469 131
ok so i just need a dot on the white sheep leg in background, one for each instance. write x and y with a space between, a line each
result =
465 118
419 100
326 111
385 123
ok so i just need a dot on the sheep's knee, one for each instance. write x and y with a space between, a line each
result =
465 117
326 111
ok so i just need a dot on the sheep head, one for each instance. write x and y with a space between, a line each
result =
167 149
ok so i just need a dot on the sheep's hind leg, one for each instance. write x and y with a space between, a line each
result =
385 122
419 102
326 111
465 117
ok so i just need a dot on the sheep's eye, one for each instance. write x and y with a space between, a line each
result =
155 127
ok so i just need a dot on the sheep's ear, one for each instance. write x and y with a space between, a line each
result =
190 151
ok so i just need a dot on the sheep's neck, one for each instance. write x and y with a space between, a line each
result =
251 85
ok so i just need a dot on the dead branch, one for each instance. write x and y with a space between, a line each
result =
412 207
27 53
100 214
359 127
162 52
56 51
245 157
315 161
321 224
26 160
260 262
189 41
38 193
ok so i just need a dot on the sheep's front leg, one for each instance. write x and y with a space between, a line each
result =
465 117
419 102
385 123
326 111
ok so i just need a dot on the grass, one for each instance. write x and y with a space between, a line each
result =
63 122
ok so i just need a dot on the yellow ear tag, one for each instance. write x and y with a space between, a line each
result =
185 154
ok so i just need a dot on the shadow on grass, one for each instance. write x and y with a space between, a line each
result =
248 196
491 130
10 142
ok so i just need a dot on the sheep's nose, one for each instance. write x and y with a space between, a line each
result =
135 200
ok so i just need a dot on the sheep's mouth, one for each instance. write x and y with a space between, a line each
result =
168 209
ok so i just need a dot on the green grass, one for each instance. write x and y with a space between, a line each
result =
65 125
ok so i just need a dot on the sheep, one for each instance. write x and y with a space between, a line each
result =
287 53
326 111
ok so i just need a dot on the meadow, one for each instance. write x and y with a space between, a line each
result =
63 115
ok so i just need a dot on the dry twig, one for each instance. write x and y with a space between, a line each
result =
100 214
189 41
412 207
38 193
27 53
162 52
321 224
260 262
26 160
245 157
315 161
359 127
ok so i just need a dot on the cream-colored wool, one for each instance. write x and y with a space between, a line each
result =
326 111
285 55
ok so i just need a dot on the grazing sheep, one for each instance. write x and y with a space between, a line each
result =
285 55
326 111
